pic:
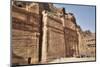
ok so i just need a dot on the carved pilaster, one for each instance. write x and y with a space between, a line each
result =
44 39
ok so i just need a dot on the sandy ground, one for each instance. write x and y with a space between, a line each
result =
72 60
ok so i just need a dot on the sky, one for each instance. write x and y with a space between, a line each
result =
85 15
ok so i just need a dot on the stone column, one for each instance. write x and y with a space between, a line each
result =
79 42
44 39
77 49
63 24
